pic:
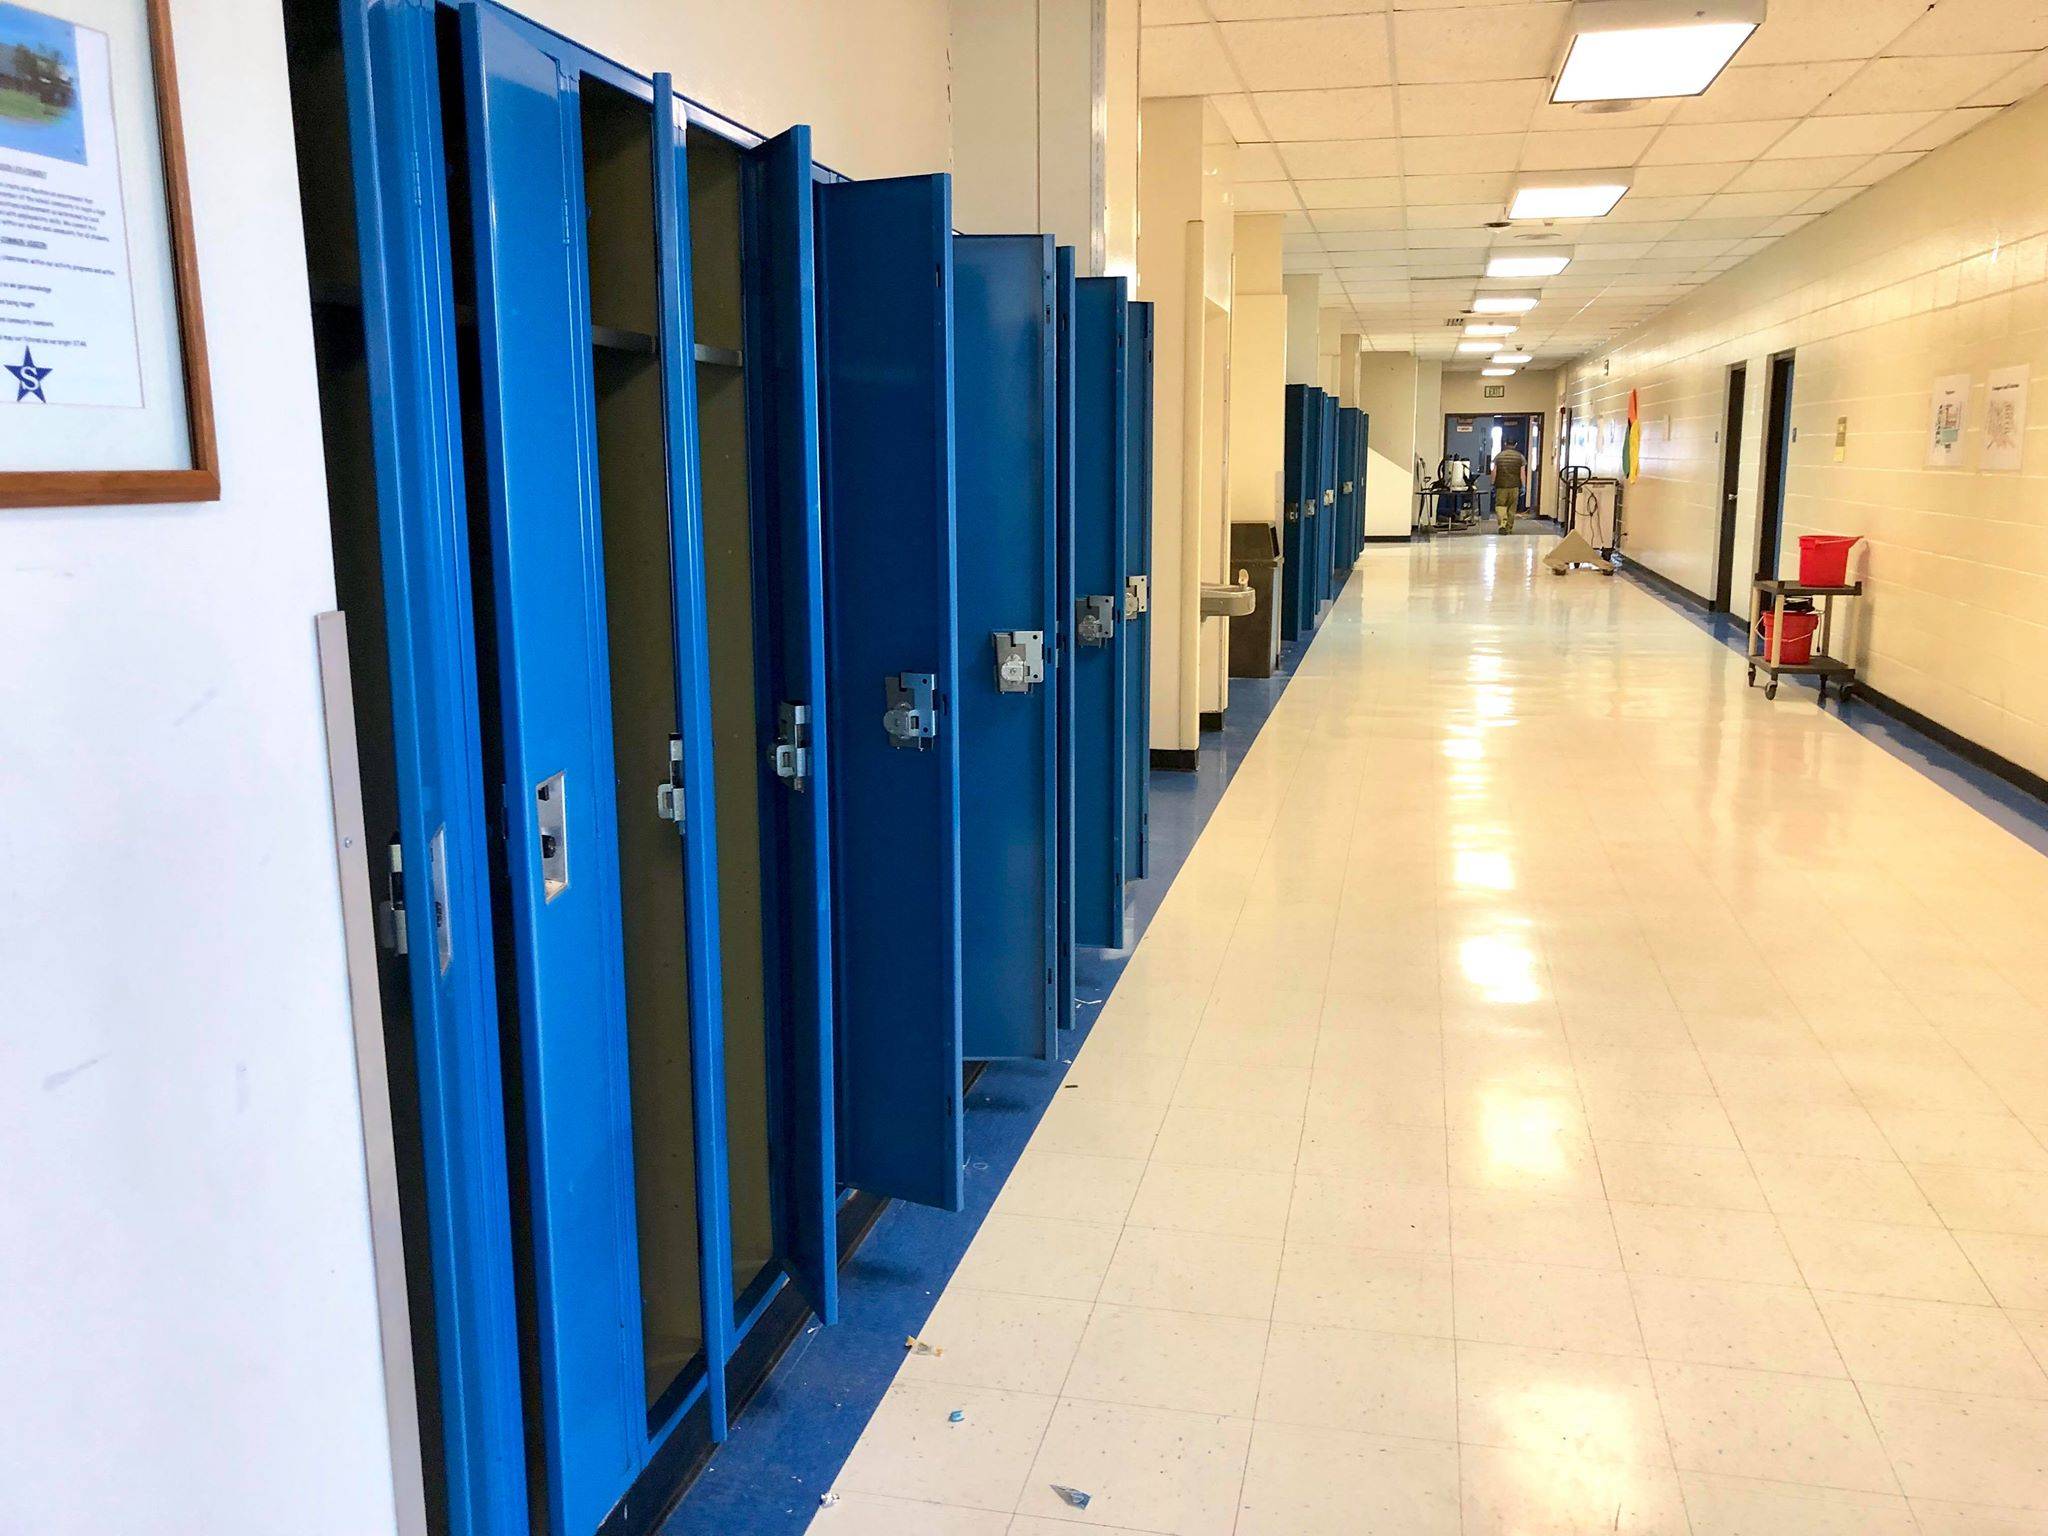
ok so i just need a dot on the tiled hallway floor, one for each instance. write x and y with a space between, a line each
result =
1562 1092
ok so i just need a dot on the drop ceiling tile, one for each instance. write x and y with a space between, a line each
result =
1344 221
1443 239
1749 93
1323 159
1699 250
1976 26
1184 61
1367 112
1499 106
1920 84
1781 175
1309 52
1499 42
1351 192
1868 133
1585 149
2017 86
1950 125
1364 240
1555 117
1681 180
1296 224
1878 167
1720 229
1460 153
1266 197
1834 197
1696 143
1162 13
1239 117
1259 10
1452 215
1649 210
1737 205
1489 187
1258 162
1778 228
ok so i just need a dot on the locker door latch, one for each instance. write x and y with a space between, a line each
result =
912 718
1020 659
391 910
1294 511
792 754
668 797
1329 498
1137 595
1347 487
1095 623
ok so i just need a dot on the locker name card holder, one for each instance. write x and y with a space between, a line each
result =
102 341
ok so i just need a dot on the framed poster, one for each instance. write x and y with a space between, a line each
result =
103 377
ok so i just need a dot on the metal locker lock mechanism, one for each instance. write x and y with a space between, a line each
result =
391 925
1294 511
668 797
1329 498
551 821
1096 624
1020 659
1137 595
912 718
792 753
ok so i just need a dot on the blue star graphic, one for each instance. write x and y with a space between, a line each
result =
29 375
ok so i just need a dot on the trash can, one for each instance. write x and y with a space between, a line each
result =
1255 637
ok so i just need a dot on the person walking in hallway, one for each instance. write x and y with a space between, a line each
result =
1510 469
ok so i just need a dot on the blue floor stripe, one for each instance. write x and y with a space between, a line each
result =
2024 815
789 1445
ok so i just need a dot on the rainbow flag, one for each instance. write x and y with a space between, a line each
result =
1632 444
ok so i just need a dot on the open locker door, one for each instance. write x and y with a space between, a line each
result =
1138 603
781 332
885 398
559 841
1326 548
1063 623
1101 527
1296 524
1008 456
396 145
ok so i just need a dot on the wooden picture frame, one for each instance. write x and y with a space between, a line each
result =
200 480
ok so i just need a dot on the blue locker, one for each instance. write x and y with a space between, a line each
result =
1348 493
1309 594
1006 400
1064 646
389 53
885 401
560 841
1138 602
1297 498
1364 470
1101 663
1326 545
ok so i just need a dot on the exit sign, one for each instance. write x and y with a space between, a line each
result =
1495 392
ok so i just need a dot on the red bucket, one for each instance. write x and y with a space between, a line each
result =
1823 562
1798 642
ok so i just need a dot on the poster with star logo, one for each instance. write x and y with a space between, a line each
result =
103 380
67 308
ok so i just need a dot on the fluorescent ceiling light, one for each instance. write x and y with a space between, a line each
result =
1475 346
1490 328
1528 266
1512 357
1642 50
1495 373
1589 200
1503 303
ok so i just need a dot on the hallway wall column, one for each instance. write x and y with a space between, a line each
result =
1304 326
1259 318
1185 244
1387 386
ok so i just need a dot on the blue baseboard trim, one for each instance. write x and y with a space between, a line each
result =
1993 785
787 1448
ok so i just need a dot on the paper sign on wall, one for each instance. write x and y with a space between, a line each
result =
2005 418
1945 421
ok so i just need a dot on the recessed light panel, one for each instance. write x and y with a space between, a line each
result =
1490 328
1503 303
1475 346
1528 266
1591 201
1511 357
1643 50
1495 373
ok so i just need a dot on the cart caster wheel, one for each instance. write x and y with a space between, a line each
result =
1752 677
1770 690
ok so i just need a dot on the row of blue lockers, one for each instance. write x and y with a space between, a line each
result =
764 581
1323 503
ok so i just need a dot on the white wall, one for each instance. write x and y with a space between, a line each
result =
1533 391
187 1314
1942 269
189 1325
1304 326
1387 384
